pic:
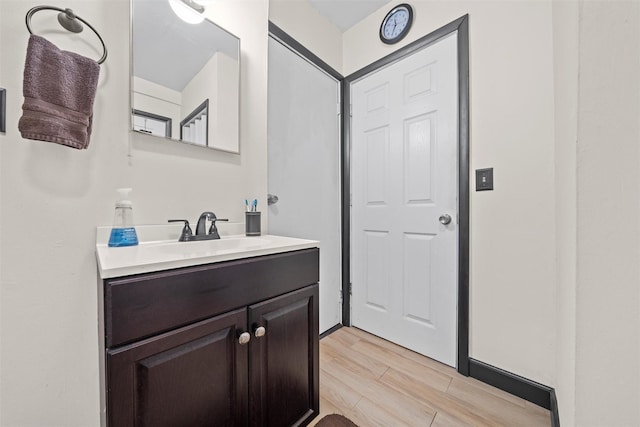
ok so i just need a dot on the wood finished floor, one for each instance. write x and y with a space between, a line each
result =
376 383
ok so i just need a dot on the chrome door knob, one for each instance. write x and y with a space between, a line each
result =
445 219
272 199
260 331
245 337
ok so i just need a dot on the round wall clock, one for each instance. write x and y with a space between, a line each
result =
396 24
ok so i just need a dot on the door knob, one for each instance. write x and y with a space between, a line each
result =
260 331
272 199
445 219
245 337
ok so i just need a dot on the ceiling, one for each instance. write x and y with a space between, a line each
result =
346 13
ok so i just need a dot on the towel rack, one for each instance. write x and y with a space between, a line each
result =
69 21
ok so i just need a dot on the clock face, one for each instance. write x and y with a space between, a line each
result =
396 24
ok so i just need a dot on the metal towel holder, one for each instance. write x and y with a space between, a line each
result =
69 21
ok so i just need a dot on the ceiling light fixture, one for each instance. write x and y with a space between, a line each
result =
188 10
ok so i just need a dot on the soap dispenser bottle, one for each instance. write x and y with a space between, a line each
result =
123 233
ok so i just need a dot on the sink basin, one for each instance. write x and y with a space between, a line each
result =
206 247
164 255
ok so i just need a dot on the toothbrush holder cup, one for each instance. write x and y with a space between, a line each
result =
252 223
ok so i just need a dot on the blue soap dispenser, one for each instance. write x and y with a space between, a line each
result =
123 233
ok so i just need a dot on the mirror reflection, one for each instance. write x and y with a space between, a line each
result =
186 75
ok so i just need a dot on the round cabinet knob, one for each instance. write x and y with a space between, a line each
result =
245 337
445 219
260 331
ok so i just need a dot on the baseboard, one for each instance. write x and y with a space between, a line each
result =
532 391
555 415
330 330
518 386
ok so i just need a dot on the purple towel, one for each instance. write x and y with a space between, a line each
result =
59 88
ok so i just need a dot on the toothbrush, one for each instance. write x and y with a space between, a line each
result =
254 205
246 203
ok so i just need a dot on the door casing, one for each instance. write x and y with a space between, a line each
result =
461 26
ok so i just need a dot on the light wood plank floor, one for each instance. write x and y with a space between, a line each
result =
376 383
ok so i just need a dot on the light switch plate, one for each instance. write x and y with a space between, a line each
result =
484 179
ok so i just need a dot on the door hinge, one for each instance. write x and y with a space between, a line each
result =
342 293
350 110
350 288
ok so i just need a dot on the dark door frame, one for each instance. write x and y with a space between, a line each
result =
461 26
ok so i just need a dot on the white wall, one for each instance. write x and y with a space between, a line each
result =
512 273
597 61
565 58
203 86
52 198
608 202
305 24
152 98
219 83
227 130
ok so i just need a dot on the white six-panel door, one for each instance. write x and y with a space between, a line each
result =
404 185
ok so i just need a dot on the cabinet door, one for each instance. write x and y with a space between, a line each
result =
192 376
284 387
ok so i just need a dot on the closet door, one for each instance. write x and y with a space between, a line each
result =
304 164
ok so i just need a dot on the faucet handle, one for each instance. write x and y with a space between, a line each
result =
213 229
186 230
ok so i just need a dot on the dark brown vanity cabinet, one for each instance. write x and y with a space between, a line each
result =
225 344
284 364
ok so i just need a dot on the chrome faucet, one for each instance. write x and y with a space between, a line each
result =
213 230
188 236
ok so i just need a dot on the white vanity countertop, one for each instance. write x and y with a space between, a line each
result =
168 254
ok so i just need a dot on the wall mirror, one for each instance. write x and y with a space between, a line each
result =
185 81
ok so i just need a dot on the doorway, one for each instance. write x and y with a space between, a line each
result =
373 247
